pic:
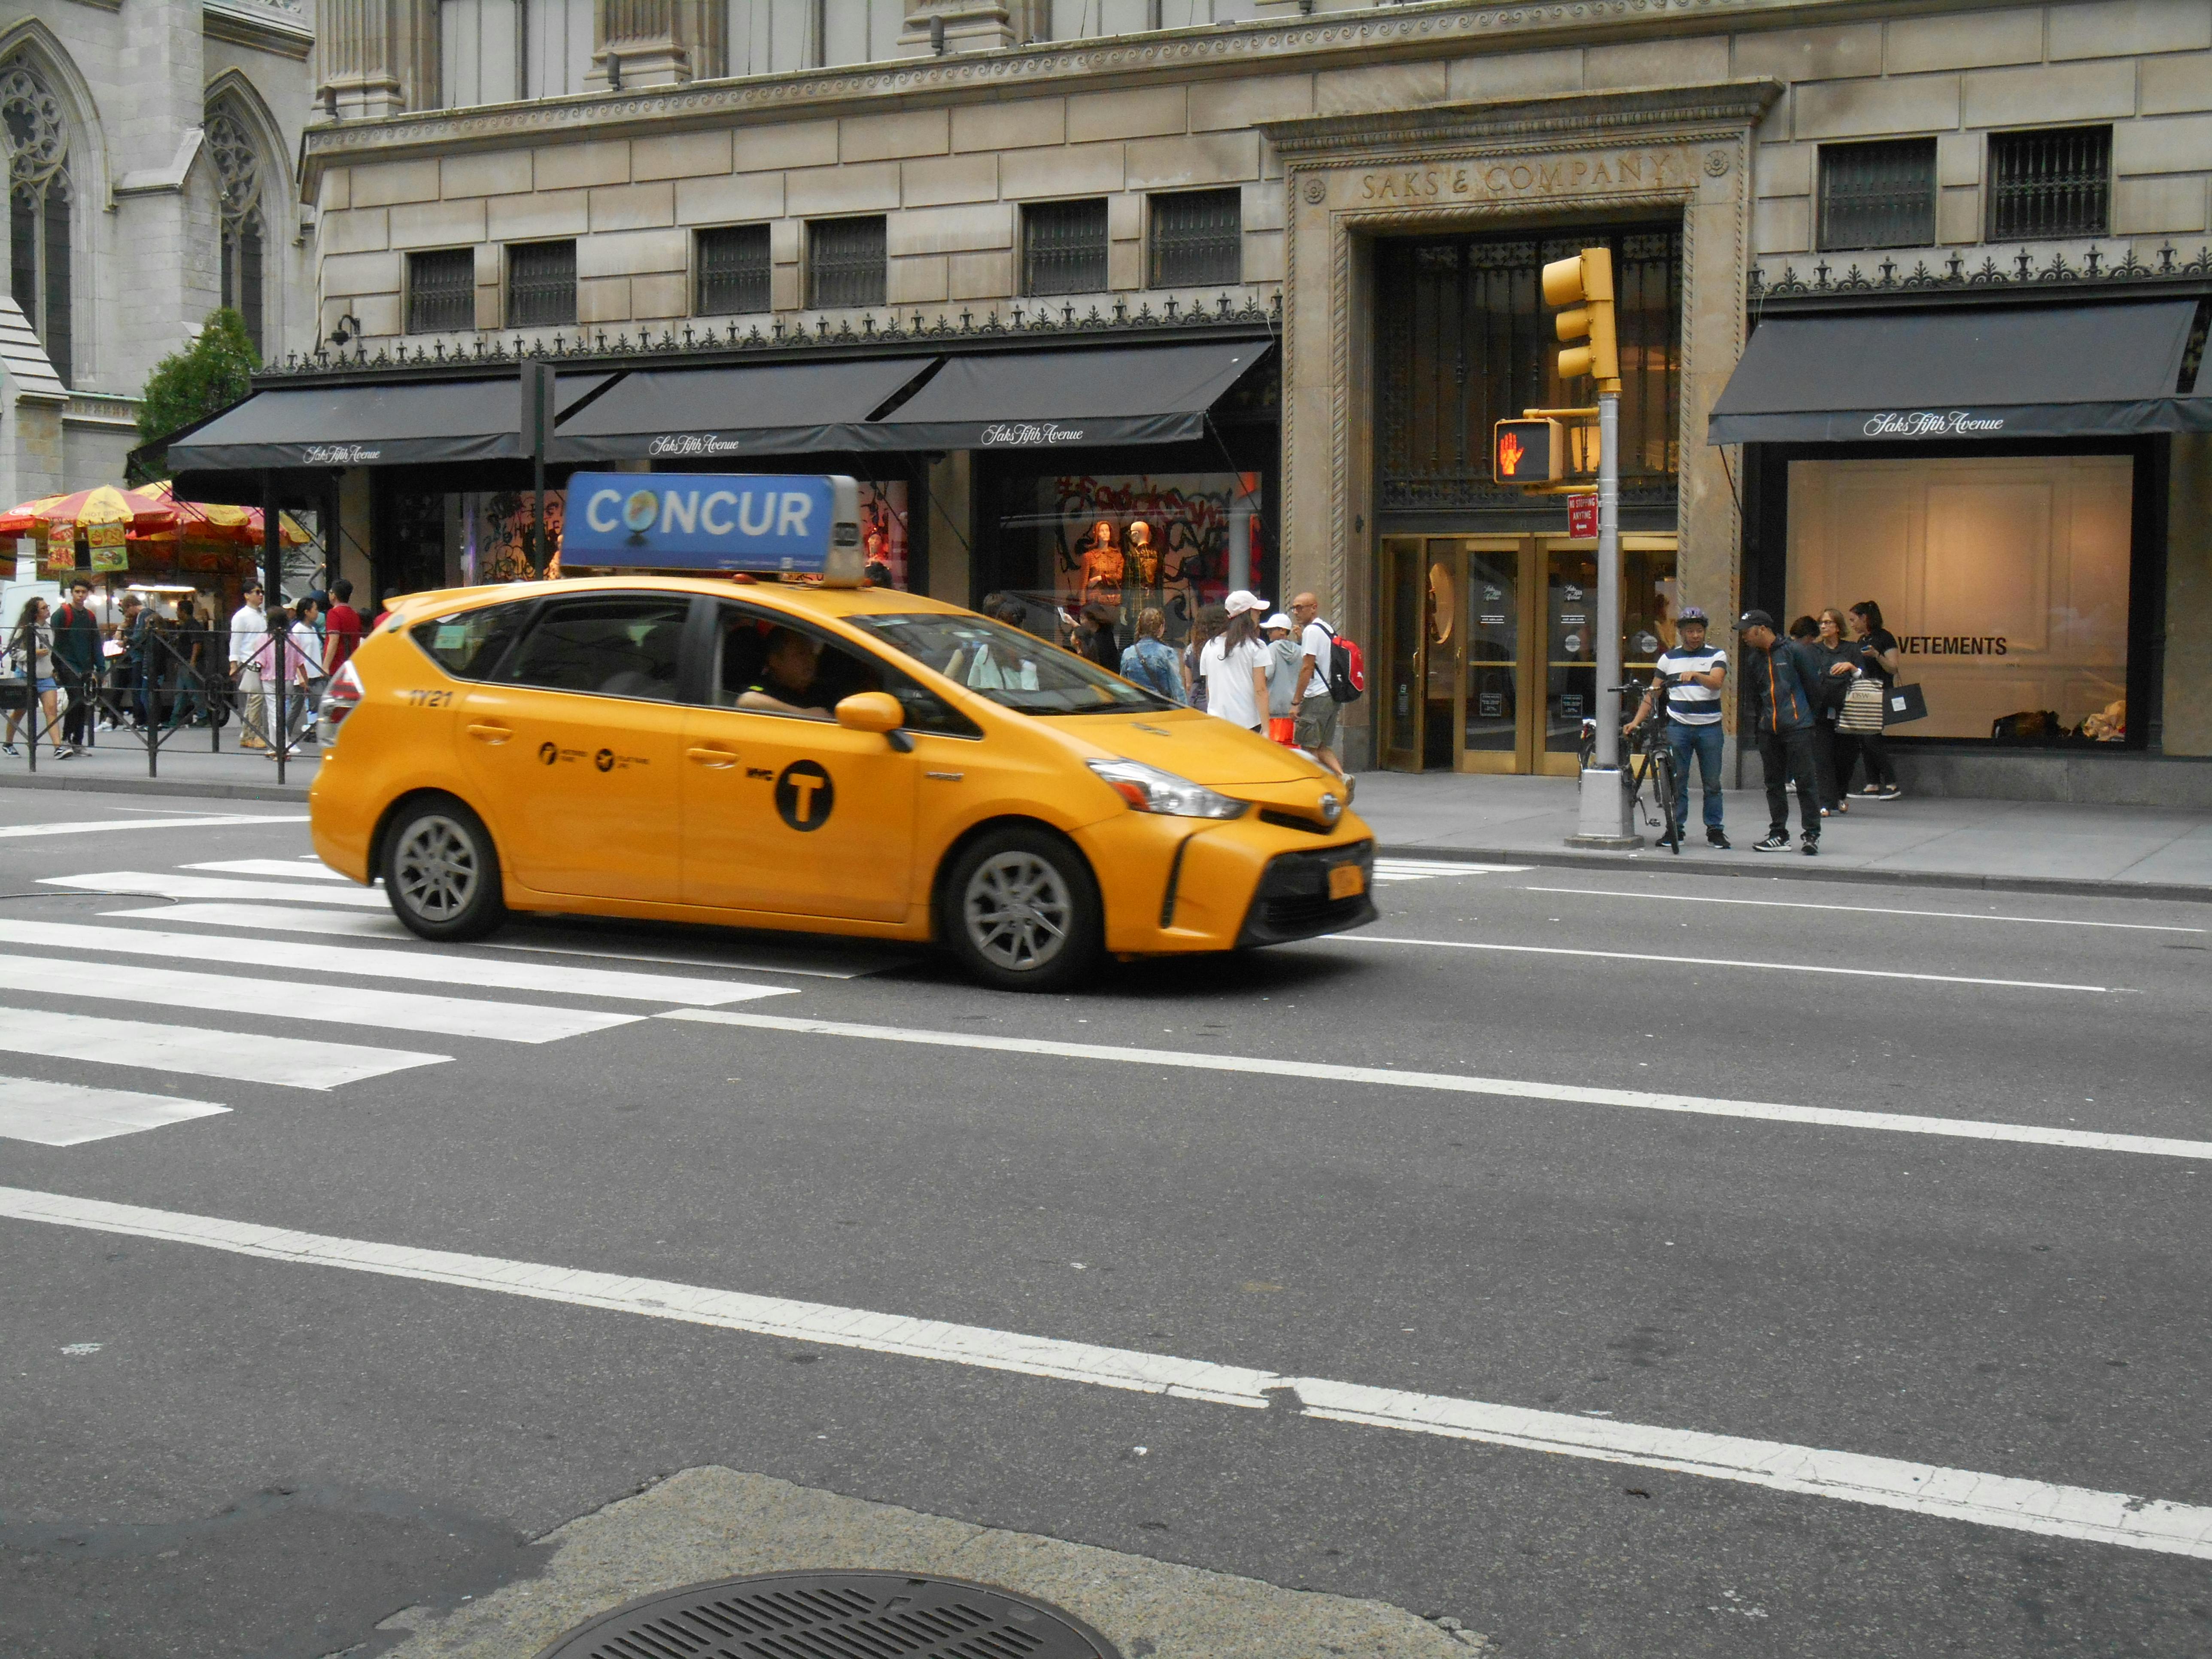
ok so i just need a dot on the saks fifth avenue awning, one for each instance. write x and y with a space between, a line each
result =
1964 374
388 424
726 414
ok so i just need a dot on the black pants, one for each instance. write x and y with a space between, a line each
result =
1824 762
1873 747
76 718
1788 759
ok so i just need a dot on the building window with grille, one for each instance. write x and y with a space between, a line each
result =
1064 247
2057 182
238 184
1878 194
39 196
844 262
1198 239
441 291
732 272
541 284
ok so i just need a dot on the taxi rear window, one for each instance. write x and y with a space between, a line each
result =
470 644
1014 669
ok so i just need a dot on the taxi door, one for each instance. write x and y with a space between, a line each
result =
789 814
572 749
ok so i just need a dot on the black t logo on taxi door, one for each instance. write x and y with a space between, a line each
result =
803 795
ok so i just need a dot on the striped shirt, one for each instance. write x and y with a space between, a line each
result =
1687 702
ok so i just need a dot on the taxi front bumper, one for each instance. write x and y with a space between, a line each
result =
1174 885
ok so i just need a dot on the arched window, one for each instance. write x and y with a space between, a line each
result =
238 174
36 139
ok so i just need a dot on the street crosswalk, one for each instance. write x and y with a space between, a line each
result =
1391 869
116 995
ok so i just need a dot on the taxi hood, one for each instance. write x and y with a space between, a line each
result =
1201 747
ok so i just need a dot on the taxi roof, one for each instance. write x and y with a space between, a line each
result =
797 598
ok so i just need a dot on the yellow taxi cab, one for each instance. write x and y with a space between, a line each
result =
843 760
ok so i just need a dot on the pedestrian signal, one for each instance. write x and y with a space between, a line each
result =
1527 453
1584 282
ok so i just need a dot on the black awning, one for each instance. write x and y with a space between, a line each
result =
1060 399
369 425
1974 372
725 414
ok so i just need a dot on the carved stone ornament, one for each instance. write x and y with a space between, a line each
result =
1314 190
236 166
1716 163
31 126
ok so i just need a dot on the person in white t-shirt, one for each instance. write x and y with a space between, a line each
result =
1312 708
1236 664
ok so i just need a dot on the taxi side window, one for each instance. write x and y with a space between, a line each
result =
469 646
757 659
611 645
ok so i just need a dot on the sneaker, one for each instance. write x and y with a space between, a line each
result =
1777 841
1824 811
63 754
9 750
1812 847
1715 837
1890 792
1872 791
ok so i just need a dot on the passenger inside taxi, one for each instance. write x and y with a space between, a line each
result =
786 683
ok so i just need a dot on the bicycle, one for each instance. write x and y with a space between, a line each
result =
1649 758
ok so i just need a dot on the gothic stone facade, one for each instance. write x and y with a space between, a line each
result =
1336 129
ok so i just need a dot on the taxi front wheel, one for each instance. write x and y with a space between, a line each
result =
441 872
1021 911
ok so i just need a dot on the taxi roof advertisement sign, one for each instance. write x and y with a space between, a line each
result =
795 525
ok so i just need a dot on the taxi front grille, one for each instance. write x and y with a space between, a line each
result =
1292 901
1283 820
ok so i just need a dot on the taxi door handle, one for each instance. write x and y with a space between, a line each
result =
714 757
486 732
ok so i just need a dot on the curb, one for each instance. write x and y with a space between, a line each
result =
2057 886
92 784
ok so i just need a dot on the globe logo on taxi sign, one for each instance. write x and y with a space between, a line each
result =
800 524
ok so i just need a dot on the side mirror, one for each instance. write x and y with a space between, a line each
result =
875 711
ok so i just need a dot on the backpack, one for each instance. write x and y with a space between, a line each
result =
1347 669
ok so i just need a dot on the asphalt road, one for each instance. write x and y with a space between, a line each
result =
211 1453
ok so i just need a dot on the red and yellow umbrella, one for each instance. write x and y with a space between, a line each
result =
106 517
216 521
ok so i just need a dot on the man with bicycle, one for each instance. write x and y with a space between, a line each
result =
1689 677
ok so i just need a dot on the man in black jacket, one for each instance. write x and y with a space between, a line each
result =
1786 684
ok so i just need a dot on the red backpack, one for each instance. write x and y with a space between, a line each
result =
1347 669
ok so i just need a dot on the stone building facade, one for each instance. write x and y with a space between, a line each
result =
152 150
1369 189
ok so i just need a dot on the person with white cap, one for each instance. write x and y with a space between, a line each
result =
1236 664
1284 654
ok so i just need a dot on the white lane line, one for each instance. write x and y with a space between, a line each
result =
93 826
335 1005
1445 867
418 965
1835 1117
292 869
1860 909
1688 960
251 1057
171 885
68 1113
257 917
1993 1500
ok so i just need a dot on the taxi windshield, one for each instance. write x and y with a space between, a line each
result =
1017 669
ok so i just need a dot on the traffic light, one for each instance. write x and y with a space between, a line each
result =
1527 451
1586 282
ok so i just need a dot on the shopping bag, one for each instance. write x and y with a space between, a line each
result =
1862 710
1904 702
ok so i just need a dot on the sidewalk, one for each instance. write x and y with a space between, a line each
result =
118 766
2010 845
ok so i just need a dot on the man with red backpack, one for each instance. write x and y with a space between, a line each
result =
1313 705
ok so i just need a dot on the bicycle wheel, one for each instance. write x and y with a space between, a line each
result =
1667 788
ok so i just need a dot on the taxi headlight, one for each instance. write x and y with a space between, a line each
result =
1148 789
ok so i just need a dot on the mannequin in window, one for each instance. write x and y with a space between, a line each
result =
1103 567
1142 570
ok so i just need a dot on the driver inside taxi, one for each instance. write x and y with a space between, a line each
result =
788 671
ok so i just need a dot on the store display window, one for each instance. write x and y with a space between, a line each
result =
467 538
1129 542
883 533
2004 579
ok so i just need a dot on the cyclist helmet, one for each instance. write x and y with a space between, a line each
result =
1691 613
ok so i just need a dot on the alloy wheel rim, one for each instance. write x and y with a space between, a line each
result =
436 869
1018 910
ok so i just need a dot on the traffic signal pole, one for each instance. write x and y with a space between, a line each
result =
1601 817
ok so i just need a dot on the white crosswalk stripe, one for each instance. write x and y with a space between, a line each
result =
272 918
94 826
175 885
68 1113
291 869
292 1062
1400 869
418 965
336 1004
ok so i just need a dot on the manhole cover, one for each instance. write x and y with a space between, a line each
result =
835 1616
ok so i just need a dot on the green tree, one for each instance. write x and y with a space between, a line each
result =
209 375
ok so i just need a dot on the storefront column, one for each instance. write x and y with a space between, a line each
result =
950 491
2187 700
354 530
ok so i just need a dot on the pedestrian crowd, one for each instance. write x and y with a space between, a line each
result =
1820 695
157 660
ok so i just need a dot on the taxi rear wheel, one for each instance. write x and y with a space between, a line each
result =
441 872
1021 911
